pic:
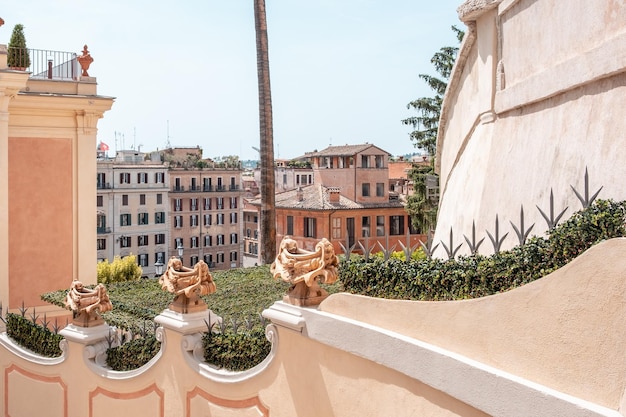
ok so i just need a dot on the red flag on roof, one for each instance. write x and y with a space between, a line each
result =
104 146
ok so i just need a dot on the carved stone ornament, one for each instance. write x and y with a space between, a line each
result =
87 304
85 61
188 285
305 270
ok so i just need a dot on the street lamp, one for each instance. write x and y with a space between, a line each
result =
158 267
180 250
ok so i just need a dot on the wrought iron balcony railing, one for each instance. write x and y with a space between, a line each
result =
44 64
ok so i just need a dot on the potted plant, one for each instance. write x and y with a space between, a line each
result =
18 56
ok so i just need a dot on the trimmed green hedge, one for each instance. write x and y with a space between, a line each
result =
134 354
477 276
236 351
32 336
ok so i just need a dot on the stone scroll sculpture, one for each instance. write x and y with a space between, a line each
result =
87 304
304 270
187 285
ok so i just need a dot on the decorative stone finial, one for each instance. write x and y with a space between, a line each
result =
303 269
87 305
1 21
85 61
187 285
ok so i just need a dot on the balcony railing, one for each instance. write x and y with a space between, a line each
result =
44 64
102 230
104 186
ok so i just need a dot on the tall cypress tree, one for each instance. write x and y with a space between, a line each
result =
18 56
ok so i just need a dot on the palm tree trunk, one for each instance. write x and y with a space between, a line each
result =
268 210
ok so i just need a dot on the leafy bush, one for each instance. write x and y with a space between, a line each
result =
133 354
477 276
32 336
236 350
120 270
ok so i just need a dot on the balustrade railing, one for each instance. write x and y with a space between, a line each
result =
44 64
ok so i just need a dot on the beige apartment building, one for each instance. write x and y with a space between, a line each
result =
132 208
205 214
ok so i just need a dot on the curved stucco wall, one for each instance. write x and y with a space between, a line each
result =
537 98
564 331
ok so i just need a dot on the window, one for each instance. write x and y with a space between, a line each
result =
193 204
310 227
380 225
208 258
220 258
219 218
234 238
303 180
220 203
194 186
125 219
233 185
207 204
101 180
159 256
379 161
100 201
248 232
102 244
142 199
125 242
142 218
365 226
233 218
208 240
290 225
178 221
178 242
193 242
124 199
380 189
177 186
142 178
220 186
159 198
124 177
159 177
142 259
336 226
233 202
220 240
365 189
396 225
159 239
365 161
193 220
233 256
159 217
297 179
142 240
178 204
194 259
208 219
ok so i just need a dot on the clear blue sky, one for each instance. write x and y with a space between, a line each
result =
342 71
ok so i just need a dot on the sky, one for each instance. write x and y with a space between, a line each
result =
184 73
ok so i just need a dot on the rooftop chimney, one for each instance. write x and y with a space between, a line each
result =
299 194
333 194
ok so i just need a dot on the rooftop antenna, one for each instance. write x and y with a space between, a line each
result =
168 144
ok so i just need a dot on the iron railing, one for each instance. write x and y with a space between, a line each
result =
44 64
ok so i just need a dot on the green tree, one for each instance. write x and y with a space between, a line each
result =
18 56
422 206
426 123
121 269
268 199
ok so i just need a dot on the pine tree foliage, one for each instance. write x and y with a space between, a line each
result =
421 206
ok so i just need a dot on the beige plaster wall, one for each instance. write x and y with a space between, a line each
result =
556 110
563 331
